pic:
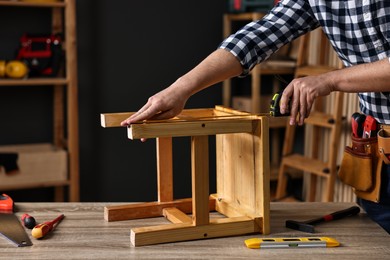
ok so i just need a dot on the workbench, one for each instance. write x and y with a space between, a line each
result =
84 234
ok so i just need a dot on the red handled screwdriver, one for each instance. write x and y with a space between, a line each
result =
28 221
41 230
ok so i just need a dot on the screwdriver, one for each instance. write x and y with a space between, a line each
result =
41 230
28 221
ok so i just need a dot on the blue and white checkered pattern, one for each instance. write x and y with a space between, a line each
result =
359 31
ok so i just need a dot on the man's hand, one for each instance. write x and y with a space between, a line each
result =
303 92
163 105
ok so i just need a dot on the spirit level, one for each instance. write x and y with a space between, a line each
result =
291 242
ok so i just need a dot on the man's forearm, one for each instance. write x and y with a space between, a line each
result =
369 77
217 67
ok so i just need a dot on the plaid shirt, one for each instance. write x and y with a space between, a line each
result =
359 31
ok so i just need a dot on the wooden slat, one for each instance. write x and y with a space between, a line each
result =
33 82
31 4
232 208
148 209
189 128
176 216
261 165
184 231
219 113
320 119
72 100
303 163
164 169
200 180
243 170
222 110
113 119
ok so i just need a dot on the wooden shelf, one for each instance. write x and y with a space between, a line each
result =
33 82
31 4
64 159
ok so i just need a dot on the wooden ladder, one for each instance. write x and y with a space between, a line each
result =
320 121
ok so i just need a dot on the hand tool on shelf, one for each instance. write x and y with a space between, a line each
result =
41 230
10 226
308 226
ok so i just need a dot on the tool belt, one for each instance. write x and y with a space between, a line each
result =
361 165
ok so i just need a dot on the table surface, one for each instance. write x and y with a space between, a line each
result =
84 234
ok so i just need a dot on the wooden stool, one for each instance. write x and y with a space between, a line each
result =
243 193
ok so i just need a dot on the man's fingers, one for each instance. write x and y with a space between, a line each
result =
146 112
284 101
302 109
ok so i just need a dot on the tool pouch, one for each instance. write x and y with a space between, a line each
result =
384 144
361 168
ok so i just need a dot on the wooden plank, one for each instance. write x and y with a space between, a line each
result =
243 171
200 179
321 119
176 216
34 82
190 128
303 163
184 231
232 209
164 169
72 100
228 209
148 209
32 4
221 110
219 113
113 119
262 172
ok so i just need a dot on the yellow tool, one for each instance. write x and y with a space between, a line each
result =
275 106
291 242
13 69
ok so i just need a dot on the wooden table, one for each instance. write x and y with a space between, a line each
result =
84 234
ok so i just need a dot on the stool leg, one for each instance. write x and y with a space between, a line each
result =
200 180
164 169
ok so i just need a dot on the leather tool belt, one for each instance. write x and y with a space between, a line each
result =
362 162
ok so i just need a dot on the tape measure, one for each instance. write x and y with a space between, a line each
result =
291 242
275 106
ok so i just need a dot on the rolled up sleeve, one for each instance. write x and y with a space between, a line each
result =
258 40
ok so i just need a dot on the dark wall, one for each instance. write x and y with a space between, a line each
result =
127 51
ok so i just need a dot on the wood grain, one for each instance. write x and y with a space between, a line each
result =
84 234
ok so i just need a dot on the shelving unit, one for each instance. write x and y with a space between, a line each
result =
282 65
319 163
65 145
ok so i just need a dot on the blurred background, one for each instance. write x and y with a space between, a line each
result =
127 51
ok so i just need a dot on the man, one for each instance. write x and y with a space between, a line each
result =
359 32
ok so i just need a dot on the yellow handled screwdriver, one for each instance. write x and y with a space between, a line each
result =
41 230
